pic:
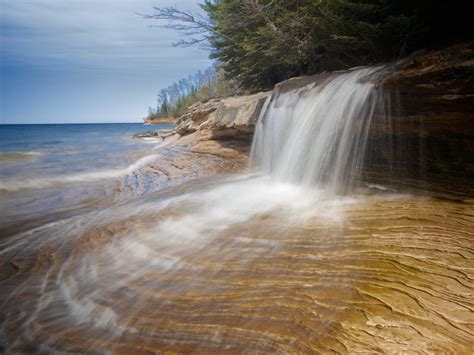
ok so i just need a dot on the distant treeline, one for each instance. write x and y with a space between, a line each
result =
173 100
261 42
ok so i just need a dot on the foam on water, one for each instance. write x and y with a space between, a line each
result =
171 230
53 181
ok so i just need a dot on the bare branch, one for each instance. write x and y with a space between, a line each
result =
187 24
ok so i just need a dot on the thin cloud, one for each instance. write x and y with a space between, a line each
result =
87 60
90 33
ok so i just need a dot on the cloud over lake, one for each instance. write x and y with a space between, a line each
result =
102 47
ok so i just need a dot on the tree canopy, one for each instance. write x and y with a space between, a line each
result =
261 42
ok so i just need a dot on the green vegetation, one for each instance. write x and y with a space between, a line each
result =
261 42
174 100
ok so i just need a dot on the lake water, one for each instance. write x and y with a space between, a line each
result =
49 167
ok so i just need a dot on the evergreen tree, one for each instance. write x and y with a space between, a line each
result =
261 42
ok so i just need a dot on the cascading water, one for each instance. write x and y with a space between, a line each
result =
316 135
271 262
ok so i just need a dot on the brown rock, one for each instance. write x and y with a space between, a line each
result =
195 116
427 143
160 120
224 118
424 145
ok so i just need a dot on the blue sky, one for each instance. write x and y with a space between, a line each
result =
87 60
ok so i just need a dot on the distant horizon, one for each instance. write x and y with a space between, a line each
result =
69 123
108 62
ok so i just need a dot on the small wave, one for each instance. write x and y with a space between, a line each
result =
83 177
164 142
19 155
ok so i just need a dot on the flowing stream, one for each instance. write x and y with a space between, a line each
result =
293 256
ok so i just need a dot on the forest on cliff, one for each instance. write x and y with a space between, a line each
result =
258 43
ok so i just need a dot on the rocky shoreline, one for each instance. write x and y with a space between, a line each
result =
160 120
161 134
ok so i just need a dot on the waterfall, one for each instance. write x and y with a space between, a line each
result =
316 135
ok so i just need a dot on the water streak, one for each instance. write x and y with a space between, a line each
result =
53 181
316 135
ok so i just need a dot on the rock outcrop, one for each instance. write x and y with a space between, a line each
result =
160 120
232 117
161 134
424 145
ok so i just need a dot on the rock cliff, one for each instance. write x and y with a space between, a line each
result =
423 142
228 118
427 141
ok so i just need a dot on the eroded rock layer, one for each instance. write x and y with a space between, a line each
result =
231 117
372 274
422 139
425 140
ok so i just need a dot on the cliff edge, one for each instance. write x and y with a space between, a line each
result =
425 139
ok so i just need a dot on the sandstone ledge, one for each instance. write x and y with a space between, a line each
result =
424 146
433 125
232 117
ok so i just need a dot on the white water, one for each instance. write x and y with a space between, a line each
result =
15 185
309 144
316 135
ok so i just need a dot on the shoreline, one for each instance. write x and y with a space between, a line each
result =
164 120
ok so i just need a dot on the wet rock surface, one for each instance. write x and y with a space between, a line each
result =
423 135
386 275
427 140
173 162
163 133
